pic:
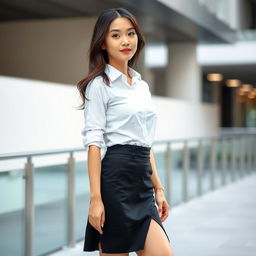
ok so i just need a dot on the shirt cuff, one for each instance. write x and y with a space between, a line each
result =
93 137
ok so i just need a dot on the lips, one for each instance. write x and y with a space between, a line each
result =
126 50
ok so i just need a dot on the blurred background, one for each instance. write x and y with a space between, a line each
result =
200 63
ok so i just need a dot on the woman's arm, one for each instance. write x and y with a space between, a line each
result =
94 170
93 140
154 177
96 210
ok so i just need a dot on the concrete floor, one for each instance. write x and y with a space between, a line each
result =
219 223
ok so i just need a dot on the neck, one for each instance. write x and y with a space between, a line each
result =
122 67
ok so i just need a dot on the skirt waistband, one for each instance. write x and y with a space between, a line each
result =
128 148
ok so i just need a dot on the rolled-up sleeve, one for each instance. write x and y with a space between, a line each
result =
94 115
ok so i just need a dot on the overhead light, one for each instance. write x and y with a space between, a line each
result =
246 87
241 92
233 82
214 77
252 94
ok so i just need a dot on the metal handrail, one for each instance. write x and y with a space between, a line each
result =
6 156
248 147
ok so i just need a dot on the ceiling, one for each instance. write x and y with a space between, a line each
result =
157 21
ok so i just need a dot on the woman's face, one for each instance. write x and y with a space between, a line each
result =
121 35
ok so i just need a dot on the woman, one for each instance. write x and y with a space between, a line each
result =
120 114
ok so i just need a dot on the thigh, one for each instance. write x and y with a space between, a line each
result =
111 254
156 243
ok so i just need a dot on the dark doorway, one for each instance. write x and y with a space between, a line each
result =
226 106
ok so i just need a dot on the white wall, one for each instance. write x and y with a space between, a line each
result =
184 119
37 115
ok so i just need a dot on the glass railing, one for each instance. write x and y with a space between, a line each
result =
48 211
50 208
12 217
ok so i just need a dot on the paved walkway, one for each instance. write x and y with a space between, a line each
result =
219 223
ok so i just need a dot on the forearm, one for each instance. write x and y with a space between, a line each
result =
154 177
94 170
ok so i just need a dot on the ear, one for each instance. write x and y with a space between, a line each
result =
103 46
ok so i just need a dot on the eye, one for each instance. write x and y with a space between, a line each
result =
115 35
132 33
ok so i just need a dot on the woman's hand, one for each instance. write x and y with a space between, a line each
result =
163 206
97 214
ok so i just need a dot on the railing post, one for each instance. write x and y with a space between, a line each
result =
29 207
71 201
199 168
233 159
168 173
185 171
213 164
223 161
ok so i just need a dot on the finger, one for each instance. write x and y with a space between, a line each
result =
95 222
160 209
91 221
164 217
165 209
102 219
165 212
99 225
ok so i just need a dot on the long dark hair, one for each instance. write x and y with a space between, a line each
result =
98 57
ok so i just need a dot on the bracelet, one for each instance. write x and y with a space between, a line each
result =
159 188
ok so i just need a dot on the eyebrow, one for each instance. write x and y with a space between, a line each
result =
119 29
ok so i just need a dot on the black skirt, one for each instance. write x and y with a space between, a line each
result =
128 198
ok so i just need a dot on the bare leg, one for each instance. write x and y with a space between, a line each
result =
156 243
110 254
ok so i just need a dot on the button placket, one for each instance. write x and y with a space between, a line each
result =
124 79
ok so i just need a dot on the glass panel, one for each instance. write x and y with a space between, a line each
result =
229 161
159 155
177 177
206 174
247 154
82 197
218 170
12 218
192 172
236 171
50 190
239 152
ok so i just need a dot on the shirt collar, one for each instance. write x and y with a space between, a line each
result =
114 73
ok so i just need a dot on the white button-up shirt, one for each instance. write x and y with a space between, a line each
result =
119 114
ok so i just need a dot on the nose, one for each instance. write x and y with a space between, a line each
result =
126 40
